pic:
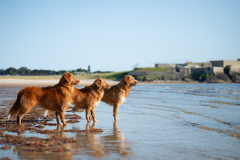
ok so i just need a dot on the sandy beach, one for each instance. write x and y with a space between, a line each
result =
39 82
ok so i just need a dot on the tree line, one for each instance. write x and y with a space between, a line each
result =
24 71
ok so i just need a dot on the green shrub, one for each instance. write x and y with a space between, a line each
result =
150 77
197 76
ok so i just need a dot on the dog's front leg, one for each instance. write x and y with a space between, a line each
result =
62 117
115 110
88 118
58 118
93 114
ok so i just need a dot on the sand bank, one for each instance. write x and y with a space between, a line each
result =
28 82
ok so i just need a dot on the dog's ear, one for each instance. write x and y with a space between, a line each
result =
98 82
127 80
67 77
86 86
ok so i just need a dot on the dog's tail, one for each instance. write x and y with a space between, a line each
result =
45 113
16 106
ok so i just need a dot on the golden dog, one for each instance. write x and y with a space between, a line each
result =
55 98
88 97
117 94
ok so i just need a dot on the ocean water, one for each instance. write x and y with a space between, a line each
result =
158 121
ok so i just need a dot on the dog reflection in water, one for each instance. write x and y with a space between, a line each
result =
99 146
118 142
94 144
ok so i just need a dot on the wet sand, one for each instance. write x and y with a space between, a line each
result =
157 121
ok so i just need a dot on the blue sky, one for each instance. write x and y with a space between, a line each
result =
115 35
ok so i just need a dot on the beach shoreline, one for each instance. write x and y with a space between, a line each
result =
41 83
9 82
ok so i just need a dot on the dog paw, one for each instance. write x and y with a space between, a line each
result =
117 119
60 124
96 120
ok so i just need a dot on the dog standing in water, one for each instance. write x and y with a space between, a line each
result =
88 98
117 94
55 98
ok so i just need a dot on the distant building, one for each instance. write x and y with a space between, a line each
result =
193 65
165 65
79 73
206 64
89 70
227 66
214 67
179 71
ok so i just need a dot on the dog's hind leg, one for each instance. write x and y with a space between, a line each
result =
24 110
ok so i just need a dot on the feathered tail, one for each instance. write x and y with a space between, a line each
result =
16 106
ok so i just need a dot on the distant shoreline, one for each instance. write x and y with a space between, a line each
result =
169 82
9 82
50 82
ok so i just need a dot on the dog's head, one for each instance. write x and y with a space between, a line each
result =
130 81
69 78
101 83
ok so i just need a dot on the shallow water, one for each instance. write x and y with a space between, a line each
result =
157 121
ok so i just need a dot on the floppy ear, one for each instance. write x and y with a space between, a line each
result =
67 77
127 80
98 83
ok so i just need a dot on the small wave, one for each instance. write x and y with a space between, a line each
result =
224 92
236 93
235 98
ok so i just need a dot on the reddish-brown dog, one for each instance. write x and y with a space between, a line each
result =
117 94
55 98
89 97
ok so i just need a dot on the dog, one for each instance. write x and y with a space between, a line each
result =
55 98
88 98
117 94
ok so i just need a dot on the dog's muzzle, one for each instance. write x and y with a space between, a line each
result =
77 82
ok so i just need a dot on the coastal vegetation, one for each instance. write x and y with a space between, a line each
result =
24 71
150 77
197 76
111 75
